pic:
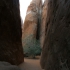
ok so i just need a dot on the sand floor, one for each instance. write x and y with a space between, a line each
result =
31 64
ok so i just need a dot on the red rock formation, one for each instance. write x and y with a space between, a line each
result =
43 23
10 32
56 48
32 18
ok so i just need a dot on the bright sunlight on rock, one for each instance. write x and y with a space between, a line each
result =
23 8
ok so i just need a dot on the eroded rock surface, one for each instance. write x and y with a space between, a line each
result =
32 18
43 22
10 32
56 48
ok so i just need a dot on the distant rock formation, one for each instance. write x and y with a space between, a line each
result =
32 19
43 23
56 48
10 32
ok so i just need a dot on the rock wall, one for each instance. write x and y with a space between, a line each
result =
43 22
56 48
10 32
30 26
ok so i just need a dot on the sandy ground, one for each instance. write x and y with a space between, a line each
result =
30 64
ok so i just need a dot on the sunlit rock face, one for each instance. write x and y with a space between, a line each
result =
56 48
32 19
10 32
43 22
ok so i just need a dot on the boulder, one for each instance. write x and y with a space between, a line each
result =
10 32
8 66
56 48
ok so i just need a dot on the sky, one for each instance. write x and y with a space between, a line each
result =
23 7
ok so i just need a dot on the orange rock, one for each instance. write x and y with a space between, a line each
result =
32 18
43 23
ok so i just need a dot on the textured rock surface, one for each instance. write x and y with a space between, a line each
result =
43 23
32 18
10 32
56 48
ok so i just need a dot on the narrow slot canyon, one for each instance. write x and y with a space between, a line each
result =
35 35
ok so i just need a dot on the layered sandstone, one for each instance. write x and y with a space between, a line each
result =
10 32
31 22
56 48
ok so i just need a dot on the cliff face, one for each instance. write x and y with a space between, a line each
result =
56 48
43 22
32 19
10 32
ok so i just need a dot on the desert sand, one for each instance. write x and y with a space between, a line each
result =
31 64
